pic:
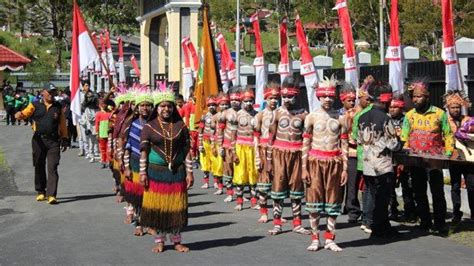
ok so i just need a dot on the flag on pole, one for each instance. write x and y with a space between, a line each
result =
449 55
394 51
103 56
121 67
110 58
187 70
284 66
345 23
83 52
227 64
258 63
97 64
194 56
307 69
135 65
208 79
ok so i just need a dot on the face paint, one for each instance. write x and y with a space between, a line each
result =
224 106
235 104
212 108
247 104
288 99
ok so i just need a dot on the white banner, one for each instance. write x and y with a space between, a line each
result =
310 80
188 81
260 81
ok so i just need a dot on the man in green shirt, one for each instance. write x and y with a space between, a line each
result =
9 101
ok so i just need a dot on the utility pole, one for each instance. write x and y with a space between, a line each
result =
381 31
237 46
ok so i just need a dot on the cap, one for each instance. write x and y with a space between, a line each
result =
49 87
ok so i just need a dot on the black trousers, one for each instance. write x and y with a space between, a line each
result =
420 178
352 188
456 170
10 116
407 194
379 187
46 155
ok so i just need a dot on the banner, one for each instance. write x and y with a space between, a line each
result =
284 66
121 68
188 80
449 55
258 63
394 52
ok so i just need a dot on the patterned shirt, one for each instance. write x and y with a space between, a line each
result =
378 138
133 141
428 132
355 136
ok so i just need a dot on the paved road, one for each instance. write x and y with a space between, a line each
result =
87 226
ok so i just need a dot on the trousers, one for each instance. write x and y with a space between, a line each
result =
46 150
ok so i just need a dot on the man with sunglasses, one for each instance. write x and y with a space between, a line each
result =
49 138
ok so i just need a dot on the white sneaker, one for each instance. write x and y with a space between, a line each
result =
81 153
92 160
363 227
216 186
228 198
219 192
206 185
246 199
367 230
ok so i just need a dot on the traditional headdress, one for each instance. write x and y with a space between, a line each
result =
163 94
142 94
386 97
211 100
289 91
268 92
235 96
363 90
327 87
223 98
396 103
418 85
248 94
456 97
121 95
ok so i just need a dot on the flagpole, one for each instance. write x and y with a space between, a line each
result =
381 31
237 46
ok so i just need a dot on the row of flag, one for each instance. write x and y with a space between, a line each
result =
203 68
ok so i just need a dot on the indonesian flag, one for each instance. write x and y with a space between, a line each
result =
345 23
194 56
284 66
83 53
110 57
227 64
103 54
307 68
187 71
258 63
97 66
121 67
135 66
394 52
449 56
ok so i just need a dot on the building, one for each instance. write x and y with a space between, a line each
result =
163 24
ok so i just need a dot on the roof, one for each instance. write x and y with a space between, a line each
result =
11 59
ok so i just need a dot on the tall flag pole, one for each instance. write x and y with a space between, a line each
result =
110 58
394 51
307 69
345 23
83 53
188 80
284 66
227 64
121 68
449 55
258 63
208 78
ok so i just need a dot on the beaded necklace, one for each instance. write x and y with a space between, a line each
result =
167 136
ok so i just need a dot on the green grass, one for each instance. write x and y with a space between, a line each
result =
463 234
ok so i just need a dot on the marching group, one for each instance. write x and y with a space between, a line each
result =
151 141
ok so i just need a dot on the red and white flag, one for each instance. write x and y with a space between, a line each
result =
133 60
110 57
284 66
307 69
97 65
258 63
449 55
227 64
350 65
188 79
121 68
394 52
194 56
83 53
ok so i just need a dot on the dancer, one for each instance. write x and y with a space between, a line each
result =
133 129
245 173
217 160
324 163
284 157
228 123
166 173
263 120
205 134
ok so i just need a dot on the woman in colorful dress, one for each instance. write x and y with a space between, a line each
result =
166 173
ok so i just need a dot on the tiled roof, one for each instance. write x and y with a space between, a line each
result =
8 56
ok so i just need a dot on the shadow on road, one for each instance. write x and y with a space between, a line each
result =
199 203
84 197
198 227
204 213
229 242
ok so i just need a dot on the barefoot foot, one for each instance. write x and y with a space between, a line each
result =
219 192
314 246
238 207
138 231
158 248
263 219
128 219
331 245
181 248
275 230
301 230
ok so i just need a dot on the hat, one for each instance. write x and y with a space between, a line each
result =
163 94
49 87
326 87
